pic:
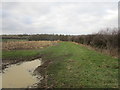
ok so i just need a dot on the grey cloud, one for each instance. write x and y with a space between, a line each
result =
61 18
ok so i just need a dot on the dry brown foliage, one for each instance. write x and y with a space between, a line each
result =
21 45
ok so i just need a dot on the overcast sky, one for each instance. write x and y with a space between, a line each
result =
58 17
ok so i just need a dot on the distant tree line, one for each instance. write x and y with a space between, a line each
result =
47 37
106 39
20 36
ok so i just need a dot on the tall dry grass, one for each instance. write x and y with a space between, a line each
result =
22 45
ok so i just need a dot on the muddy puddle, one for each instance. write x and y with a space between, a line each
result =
21 75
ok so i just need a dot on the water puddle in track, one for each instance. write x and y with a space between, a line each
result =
21 75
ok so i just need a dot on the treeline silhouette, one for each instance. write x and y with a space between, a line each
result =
105 40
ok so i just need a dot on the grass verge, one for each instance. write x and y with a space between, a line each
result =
17 54
75 66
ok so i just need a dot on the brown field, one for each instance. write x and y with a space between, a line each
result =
20 45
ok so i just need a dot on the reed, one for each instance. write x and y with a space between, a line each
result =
22 45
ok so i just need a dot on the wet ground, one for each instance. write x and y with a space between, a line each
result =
21 75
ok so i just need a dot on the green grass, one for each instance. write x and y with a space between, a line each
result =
76 66
17 54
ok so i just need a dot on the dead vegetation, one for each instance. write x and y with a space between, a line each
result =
22 45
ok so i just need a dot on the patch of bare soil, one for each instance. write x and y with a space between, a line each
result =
42 71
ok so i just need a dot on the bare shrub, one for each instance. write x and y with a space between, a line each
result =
106 40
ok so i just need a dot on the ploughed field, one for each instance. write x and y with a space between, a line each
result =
66 64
